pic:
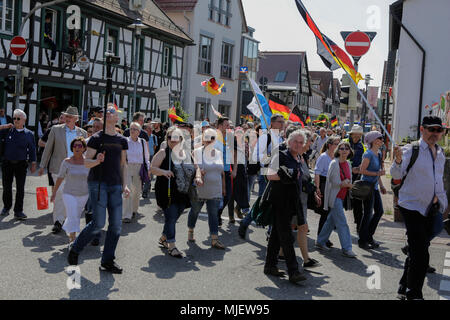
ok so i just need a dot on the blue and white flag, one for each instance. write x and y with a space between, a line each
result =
267 113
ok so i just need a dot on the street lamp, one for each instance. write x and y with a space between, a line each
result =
137 26
367 81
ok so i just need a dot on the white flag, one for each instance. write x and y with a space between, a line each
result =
254 108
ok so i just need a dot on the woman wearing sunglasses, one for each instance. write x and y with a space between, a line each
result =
210 181
372 169
75 191
338 184
168 196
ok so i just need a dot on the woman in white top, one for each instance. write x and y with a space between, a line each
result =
75 190
137 154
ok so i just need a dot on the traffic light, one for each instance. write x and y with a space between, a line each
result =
28 85
345 92
10 84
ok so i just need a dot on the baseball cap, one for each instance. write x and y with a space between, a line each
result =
431 121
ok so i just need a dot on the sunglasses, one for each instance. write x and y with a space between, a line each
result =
18 119
344 149
438 129
210 138
77 146
112 111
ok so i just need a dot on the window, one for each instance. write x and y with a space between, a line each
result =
7 16
51 28
211 9
201 111
281 76
225 110
112 40
219 11
228 14
167 61
141 54
204 55
227 55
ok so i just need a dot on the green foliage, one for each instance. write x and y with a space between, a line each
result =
180 111
447 151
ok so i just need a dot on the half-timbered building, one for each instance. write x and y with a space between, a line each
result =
104 27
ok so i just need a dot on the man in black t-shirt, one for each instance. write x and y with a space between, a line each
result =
106 183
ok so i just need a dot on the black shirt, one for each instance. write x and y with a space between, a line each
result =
109 170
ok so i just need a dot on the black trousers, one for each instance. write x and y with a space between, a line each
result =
357 205
11 170
418 230
281 236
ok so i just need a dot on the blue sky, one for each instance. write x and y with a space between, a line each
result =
280 27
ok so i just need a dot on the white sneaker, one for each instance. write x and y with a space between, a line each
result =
348 254
321 247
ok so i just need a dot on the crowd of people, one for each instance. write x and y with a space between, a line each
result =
218 164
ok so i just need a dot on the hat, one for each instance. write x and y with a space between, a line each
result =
71 111
96 109
431 121
156 120
372 136
205 124
357 129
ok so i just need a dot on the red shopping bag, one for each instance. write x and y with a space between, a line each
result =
42 198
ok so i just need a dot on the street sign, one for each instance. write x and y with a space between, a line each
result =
243 69
357 43
18 46
83 63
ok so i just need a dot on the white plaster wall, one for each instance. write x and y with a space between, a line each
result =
430 25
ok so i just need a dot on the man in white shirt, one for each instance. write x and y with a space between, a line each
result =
421 198
317 145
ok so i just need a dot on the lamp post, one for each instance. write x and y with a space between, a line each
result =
137 26
367 81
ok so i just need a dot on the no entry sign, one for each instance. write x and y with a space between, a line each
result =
18 46
357 43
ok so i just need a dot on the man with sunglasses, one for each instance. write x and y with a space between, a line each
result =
56 150
421 197
18 149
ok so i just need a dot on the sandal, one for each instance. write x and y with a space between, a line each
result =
215 243
174 252
191 236
163 242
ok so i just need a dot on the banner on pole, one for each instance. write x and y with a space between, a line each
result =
162 98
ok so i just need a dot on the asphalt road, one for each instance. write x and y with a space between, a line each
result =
34 262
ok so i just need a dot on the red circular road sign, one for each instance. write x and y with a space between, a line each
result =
357 43
18 46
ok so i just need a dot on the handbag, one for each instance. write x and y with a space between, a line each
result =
362 190
42 198
261 211
143 171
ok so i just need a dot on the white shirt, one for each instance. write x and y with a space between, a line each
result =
134 152
422 182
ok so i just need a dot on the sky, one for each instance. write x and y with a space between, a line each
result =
280 27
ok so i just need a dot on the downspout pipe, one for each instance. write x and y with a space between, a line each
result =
419 121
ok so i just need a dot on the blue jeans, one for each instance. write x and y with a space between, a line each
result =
336 218
212 207
171 215
251 181
262 181
111 198
370 220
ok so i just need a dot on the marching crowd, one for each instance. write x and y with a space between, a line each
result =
107 166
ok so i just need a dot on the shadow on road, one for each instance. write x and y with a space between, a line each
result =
94 291
166 267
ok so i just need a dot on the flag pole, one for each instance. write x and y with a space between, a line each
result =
257 101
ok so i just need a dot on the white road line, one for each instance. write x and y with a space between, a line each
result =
447 262
447 254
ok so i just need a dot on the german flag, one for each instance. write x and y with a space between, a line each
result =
334 121
330 53
308 120
277 106
323 121
296 116
173 115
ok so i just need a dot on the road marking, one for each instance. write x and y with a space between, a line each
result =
446 272
447 263
447 254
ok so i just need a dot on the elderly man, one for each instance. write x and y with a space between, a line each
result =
19 149
318 143
139 118
56 150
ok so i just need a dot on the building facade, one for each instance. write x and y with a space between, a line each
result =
60 82
410 93
287 77
216 27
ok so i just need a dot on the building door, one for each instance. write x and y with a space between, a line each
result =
54 100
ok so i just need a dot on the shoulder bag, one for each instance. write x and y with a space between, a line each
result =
143 172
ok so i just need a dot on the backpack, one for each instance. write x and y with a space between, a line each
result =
261 211
415 153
